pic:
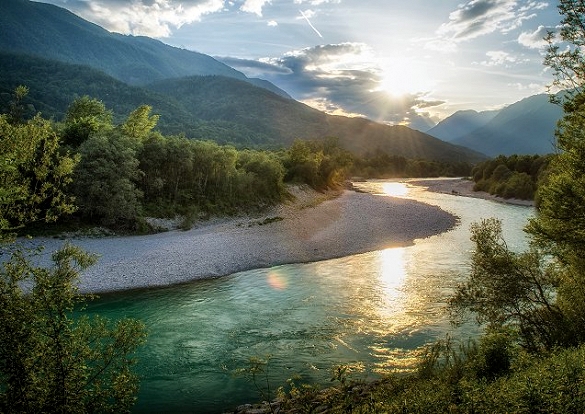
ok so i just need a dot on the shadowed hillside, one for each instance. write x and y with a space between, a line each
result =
55 33
222 109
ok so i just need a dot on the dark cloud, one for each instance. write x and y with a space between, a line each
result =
340 79
480 17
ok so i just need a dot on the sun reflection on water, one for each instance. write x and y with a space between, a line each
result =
392 276
276 280
395 189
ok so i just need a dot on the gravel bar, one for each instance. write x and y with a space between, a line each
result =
349 224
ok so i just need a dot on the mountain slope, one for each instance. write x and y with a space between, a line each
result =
526 127
461 123
223 109
230 100
55 33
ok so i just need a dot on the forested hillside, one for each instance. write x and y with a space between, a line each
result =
52 32
225 110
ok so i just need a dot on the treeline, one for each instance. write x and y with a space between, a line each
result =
116 174
98 172
383 165
515 176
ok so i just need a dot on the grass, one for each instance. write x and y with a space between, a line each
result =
456 381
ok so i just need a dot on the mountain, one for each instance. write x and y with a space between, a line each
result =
525 127
222 109
460 124
52 32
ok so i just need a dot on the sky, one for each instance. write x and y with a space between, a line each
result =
411 62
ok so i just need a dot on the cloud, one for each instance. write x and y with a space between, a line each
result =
255 68
535 40
317 2
254 6
498 58
343 79
477 18
155 18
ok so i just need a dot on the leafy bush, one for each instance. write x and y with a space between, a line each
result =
516 176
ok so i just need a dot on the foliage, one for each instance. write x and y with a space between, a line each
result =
186 175
491 376
507 289
51 362
139 123
34 174
565 49
383 165
104 181
515 176
84 117
320 164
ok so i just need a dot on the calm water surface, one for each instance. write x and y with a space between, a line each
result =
372 311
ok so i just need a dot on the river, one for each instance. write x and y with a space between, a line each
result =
373 312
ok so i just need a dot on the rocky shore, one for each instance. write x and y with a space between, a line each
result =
311 227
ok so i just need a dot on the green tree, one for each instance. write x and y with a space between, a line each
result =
139 123
542 292
51 362
34 174
84 117
565 54
105 180
16 111
511 290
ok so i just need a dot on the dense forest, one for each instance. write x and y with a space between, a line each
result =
515 176
116 174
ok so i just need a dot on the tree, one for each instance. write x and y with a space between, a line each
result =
542 292
105 180
16 111
84 117
139 123
512 290
565 54
34 174
51 362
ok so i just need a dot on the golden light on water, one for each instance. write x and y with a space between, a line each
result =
395 189
392 277
276 281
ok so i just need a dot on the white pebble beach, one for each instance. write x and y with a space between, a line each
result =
303 230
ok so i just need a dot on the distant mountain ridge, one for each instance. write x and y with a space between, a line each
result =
460 124
525 127
52 32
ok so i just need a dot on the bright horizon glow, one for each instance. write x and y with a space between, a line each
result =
394 62
403 76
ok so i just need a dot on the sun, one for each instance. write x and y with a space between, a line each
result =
403 76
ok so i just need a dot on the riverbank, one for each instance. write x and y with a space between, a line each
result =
312 227
464 187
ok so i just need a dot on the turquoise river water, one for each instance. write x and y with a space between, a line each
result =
373 312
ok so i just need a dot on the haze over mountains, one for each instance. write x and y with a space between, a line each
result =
525 127
60 56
